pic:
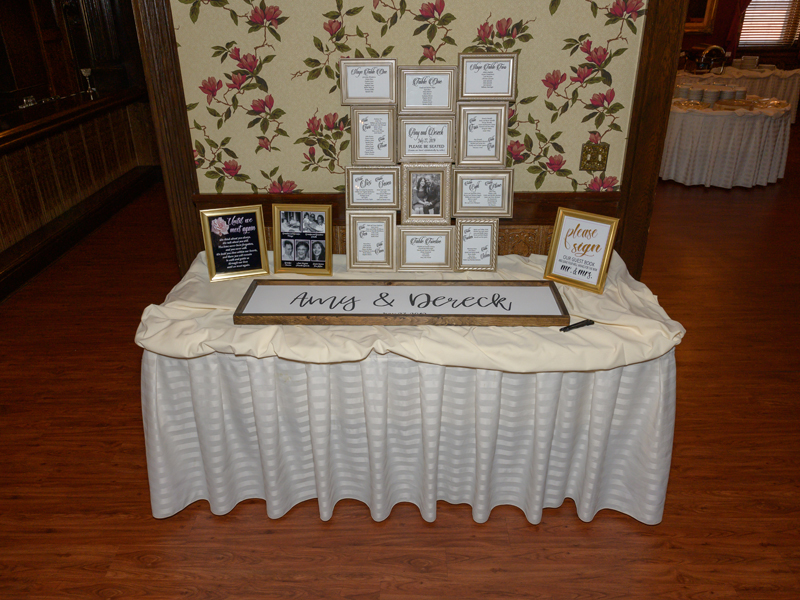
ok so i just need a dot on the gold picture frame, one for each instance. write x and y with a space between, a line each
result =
426 138
425 191
429 89
487 76
372 188
581 249
476 244
371 240
482 134
228 235
373 135
296 242
424 248
368 80
483 193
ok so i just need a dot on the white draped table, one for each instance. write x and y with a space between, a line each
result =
479 415
726 148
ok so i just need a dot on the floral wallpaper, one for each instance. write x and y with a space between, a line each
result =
262 82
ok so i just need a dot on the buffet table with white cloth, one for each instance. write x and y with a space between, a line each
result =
524 416
775 83
726 148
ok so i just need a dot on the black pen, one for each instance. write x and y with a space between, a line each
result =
578 324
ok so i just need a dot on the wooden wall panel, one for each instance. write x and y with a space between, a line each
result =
12 224
94 150
65 170
44 176
80 159
27 196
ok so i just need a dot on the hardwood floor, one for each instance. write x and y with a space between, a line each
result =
74 506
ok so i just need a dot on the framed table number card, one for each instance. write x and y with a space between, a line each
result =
373 135
425 194
427 89
368 81
235 242
581 249
482 133
428 138
372 187
487 76
424 248
487 193
476 244
301 238
370 240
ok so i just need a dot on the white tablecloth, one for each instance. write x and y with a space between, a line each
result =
726 148
783 85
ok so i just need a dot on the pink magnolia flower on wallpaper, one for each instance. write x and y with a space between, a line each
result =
601 99
618 8
511 113
314 125
595 137
485 32
330 120
248 62
210 87
633 7
599 184
516 149
234 54
586 46
263 106
503 25
219 226
375 3
237 81
287 187
556 162
332 27
310 156
269 15
598 56
264 143
427 10
429 53
231 168
582 74
552 80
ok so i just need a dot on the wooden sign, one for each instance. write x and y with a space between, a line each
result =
498 303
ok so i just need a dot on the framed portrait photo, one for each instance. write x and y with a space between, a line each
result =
476 244
425 138
425 194
427 89
482 134
487 76
373 135
235 242
301 238
581 249
424 248
372 187
479 193
368 80
371 240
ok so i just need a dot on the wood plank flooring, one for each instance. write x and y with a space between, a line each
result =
74 506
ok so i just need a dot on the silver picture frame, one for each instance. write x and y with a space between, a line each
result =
425 191
483 193
368 80
487 76
426 138
373 135
429 89
372 188
482 134
476 244
371 242
424 248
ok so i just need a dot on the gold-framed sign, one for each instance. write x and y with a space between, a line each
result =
425 138
424 248
581 249
482 133
371 240
372 187
373 135
425 194
302 238
427 89
235 242
476 244
478 193
487 76
368 80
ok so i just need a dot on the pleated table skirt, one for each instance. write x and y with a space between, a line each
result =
385 430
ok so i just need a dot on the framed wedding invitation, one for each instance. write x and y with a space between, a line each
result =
373 135
301 238
487 76
482 133
368 81
424 248
235 242
371 240
372 187
428 138
476 244
487 193
425 194
427 89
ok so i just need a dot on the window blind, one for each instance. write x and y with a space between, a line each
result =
770 23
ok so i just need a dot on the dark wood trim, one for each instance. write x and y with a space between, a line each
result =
658 66
26 258
168 105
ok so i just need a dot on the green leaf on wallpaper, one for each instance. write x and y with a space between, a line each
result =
253 123
534 170
594 9
528 100
387 50
431 33
213 112
254 28
201 150
514 133
421 28
545 152
618 52
615 127
556 135
541 137
253 188
191 106
540 179
615 108
528 142
194 11
186 1
574 185
378 17
314 73
339 4
420 18
213 144
359 54
318 44
264 125
311 62
227 114
599 120
554 4
525 37
440 59
342 47
393 20
564 108
509 43
220 185
630 25
230 152
404 7
280 131
448 40
329 72
219 3
558 147
333 89
550 105
277 113
272 173
373 53
421 58
593 80
605 76
570 43
611 21
274 33
591 115
331 166
554 117
241 177
234 18
334 14
225 142
339 188
574 96
446 19
337 135
211 174
384 29
354 11
344 145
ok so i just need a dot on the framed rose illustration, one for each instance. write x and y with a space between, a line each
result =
235 242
